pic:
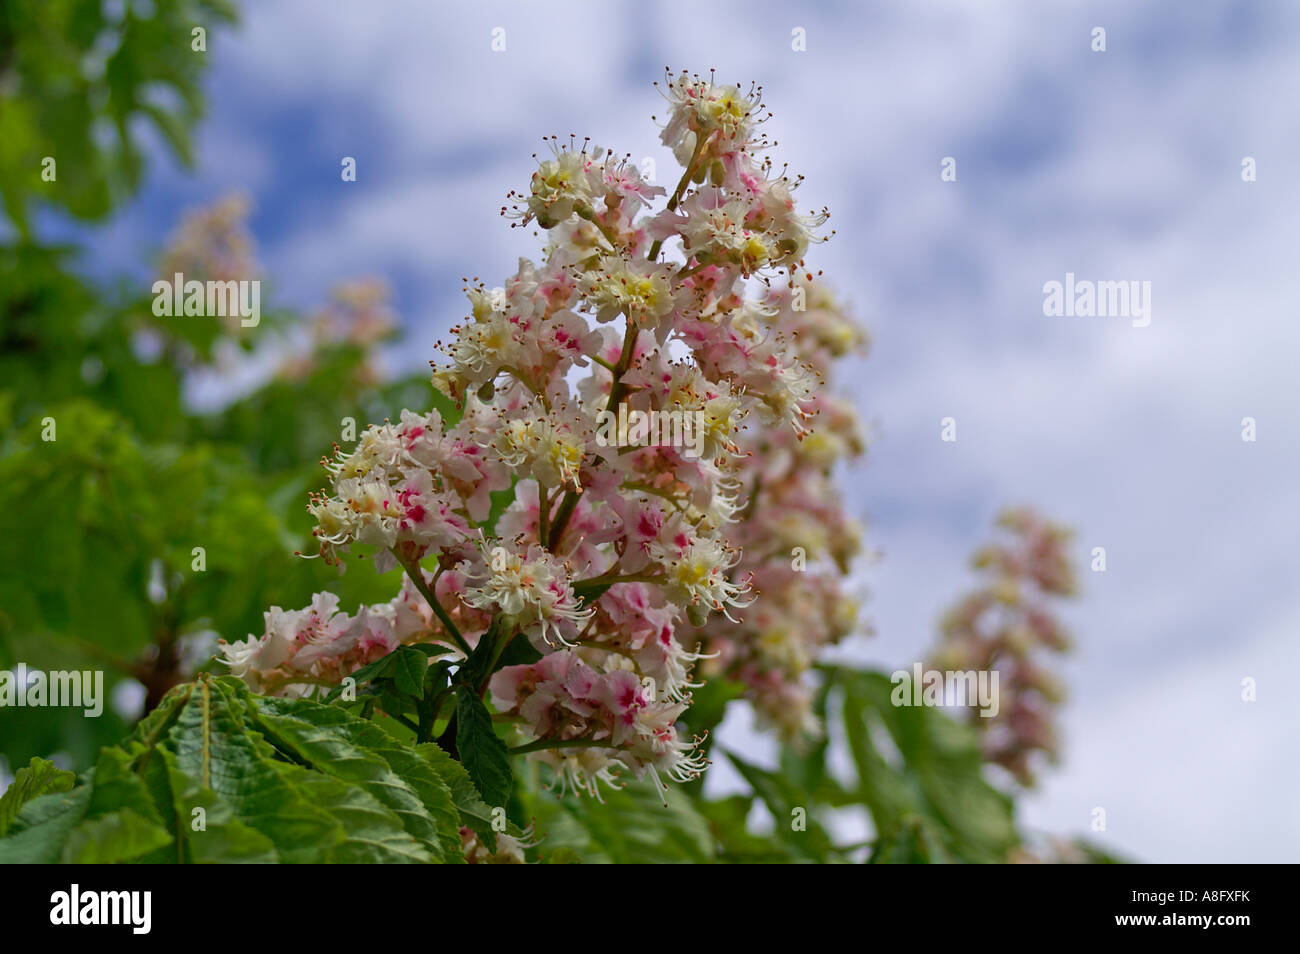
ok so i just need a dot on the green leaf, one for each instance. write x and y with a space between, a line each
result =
403 669
482 753
447 408
728 823
562 856
408 670
213 746
474 812
222 837
632 826
372 834
329 740
114 837
218 774
913 842
783 800
475 670
42 826
116 785
38 778
518 652
500 500
940 780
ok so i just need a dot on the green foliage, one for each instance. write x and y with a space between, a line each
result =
936 790
917 772
275 780
630 826
41 777
73 84
136 478
117 513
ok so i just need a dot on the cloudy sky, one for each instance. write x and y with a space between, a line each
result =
1117 165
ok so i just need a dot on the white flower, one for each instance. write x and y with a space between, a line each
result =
641 290
696 573
721 114
532 591
549 446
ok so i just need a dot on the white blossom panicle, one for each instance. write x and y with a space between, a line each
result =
635 560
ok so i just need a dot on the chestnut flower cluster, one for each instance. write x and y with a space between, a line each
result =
1007 624
797 541
213 243
356 316
620 562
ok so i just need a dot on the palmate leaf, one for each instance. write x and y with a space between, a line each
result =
218 774
783 799
936 804
333 743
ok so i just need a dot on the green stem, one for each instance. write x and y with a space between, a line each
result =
562 517
424 731
416 575
677 192
398 717
617 388
497 650
543 513
687 272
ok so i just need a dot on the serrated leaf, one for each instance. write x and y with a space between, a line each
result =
223 838
475 813
372 834
39 832
333 742
213 747
408 670
115 837
40 777
482 753
632 826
